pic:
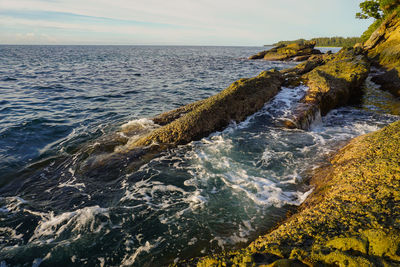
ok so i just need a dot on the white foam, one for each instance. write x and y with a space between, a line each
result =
134 130
9 233
36 262
192 241
52 226
138 124
12 204
129 260
160 196
280 107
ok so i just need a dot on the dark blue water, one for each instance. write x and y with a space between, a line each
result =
50 94
63 107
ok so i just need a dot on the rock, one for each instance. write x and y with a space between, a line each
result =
333 84
353 216
389 81
287 263
384 50
170 116
197 120
293 75
295 51
301 58
263 53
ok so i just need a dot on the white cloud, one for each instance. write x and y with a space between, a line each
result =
195 21
138 34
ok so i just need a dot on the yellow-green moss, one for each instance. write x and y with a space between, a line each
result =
353 216
286 52
384 44
384 49
235 103
333 81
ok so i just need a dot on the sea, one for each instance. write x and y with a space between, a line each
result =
61 105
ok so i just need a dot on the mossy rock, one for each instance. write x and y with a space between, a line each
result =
384 50
197 120
293 51
353 216
336 82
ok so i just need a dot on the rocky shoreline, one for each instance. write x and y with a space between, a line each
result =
352 218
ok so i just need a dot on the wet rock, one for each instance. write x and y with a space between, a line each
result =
333 84
389 80
293 75
296 52
351 219
301 58
197 120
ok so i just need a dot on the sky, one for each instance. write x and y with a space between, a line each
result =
175 22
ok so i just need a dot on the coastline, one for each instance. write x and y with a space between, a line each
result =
352 216
219 172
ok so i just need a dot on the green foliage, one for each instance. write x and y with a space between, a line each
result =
376 8
370 9
388 5
326 41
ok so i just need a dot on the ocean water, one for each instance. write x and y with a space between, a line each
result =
61 105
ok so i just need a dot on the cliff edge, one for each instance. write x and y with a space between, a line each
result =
383 48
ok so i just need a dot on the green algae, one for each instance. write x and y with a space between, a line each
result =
351 219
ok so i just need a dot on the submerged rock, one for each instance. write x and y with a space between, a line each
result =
384 50
351 219
296 52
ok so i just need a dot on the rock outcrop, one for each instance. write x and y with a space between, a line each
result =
333 81
353 216
196 120
351 219
295 52
384 50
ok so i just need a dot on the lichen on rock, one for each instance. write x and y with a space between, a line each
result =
351 219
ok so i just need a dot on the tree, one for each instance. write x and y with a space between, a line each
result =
388 5
370 9
376 8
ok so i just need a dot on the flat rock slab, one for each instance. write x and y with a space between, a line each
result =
295 52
